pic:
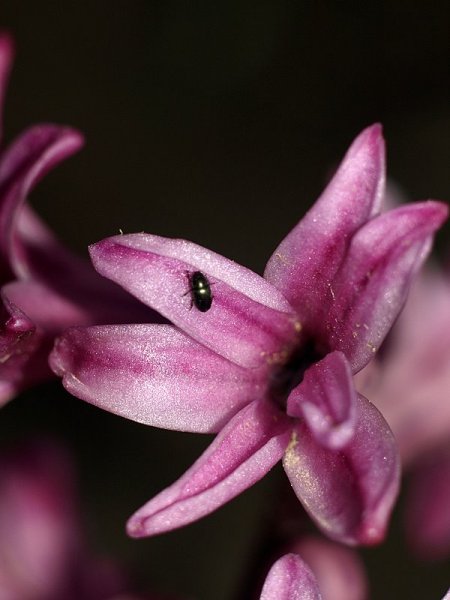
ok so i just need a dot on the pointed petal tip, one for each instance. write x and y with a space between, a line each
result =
370 138
135 528
68 137
370 535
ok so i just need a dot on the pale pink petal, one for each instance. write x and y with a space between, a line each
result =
290 579
326 398
372 284
428 507
348 493
249 321
305 263
153 374
27 160
339 570
6 58
242 453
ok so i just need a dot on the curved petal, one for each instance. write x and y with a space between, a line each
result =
249 321
243 452
22 351
27 160
326 399
290 579
6 59
339 570
372 285
153 374
44 307
306 261
349 493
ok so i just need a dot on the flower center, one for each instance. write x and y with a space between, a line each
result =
285 377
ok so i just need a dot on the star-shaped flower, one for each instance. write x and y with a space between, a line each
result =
265 361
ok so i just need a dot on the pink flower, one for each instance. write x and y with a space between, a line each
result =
44 287
266 362
43 553
410 384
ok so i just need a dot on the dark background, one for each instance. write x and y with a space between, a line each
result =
216 122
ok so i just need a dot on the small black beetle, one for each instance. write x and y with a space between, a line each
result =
200 290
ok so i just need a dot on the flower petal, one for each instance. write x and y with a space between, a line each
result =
249 321
153 374
27 160
326 398
22 351
348 493
290 579
374 280
307 260
6 59
243 452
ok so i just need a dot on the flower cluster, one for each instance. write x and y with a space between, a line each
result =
282 366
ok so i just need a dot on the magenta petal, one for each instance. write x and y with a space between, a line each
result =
374 280
290 579
307 260
29 158
249 321
349 493
153 374
21 362
242 453
6 58
326 398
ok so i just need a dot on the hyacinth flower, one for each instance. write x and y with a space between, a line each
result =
44 287
410 384
43 552
265 361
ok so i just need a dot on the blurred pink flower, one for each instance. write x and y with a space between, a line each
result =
339 571
43 553
44 287
267 362
317 568
410 384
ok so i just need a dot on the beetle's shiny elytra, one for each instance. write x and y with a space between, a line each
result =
200 290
